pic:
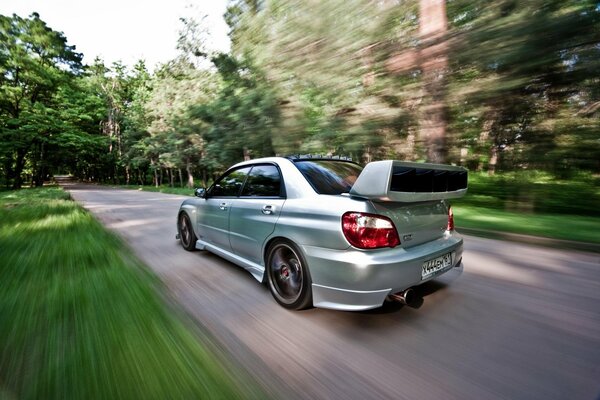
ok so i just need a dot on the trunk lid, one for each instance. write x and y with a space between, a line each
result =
416 223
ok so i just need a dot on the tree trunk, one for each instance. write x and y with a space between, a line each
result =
493 159
127 174
34 163
153 166
484 138
39 175
180 177
433 25
432 59
190 179
9 170
19 165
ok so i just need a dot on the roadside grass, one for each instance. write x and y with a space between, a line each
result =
534 192
532 203
81 318
556 226
160 189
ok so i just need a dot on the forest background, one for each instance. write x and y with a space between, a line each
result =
509 89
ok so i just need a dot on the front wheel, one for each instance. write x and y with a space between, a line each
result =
187 236
288 277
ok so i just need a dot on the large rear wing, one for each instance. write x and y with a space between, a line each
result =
408 182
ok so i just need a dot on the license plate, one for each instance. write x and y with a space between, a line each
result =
430 267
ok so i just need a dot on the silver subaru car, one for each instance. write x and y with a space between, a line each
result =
326 232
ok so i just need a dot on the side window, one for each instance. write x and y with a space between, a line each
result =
230 184
264 180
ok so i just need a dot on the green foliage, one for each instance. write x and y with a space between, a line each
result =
242 119
525 74
520 93
80 318
326 61
35 63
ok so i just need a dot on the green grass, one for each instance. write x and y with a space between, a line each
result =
160 189
557 226
532 203
80 318
534 192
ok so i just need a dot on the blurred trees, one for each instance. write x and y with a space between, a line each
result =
497 87
525 85
508 85
241 120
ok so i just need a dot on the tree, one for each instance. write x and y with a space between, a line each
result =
327 61
524 84
135 122
113 86
500 86
242 119
35 62
175 141
433 26
78 146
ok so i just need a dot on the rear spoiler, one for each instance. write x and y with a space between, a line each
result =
408 182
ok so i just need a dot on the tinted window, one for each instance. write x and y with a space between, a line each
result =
264 180
329 177
230 184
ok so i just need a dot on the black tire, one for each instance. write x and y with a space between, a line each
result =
288 276
187 237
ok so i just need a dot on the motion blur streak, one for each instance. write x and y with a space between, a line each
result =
533 334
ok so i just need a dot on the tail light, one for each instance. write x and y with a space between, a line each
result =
450 226
368 231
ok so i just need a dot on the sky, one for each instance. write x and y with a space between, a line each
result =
124 30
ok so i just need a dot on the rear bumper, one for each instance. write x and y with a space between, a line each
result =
360 280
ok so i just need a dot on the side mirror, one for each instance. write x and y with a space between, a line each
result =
200 192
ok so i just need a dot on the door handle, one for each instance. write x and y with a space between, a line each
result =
223 206
268 209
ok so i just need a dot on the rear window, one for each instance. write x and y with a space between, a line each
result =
329 176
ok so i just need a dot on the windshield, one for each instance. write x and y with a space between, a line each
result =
329 176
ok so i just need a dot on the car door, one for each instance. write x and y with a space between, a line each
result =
254 214
213 215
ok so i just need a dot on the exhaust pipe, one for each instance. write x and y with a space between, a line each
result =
406 297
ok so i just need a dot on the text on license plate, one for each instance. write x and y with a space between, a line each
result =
430 267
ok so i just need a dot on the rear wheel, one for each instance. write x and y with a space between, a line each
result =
288 277
187 237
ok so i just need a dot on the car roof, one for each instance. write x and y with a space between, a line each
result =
292 158
268 160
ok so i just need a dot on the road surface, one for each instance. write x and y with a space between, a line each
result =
518 322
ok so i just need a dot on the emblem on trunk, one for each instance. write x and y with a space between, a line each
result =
407 238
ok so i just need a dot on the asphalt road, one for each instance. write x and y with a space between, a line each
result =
518 322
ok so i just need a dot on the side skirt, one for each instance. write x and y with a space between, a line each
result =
257 271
